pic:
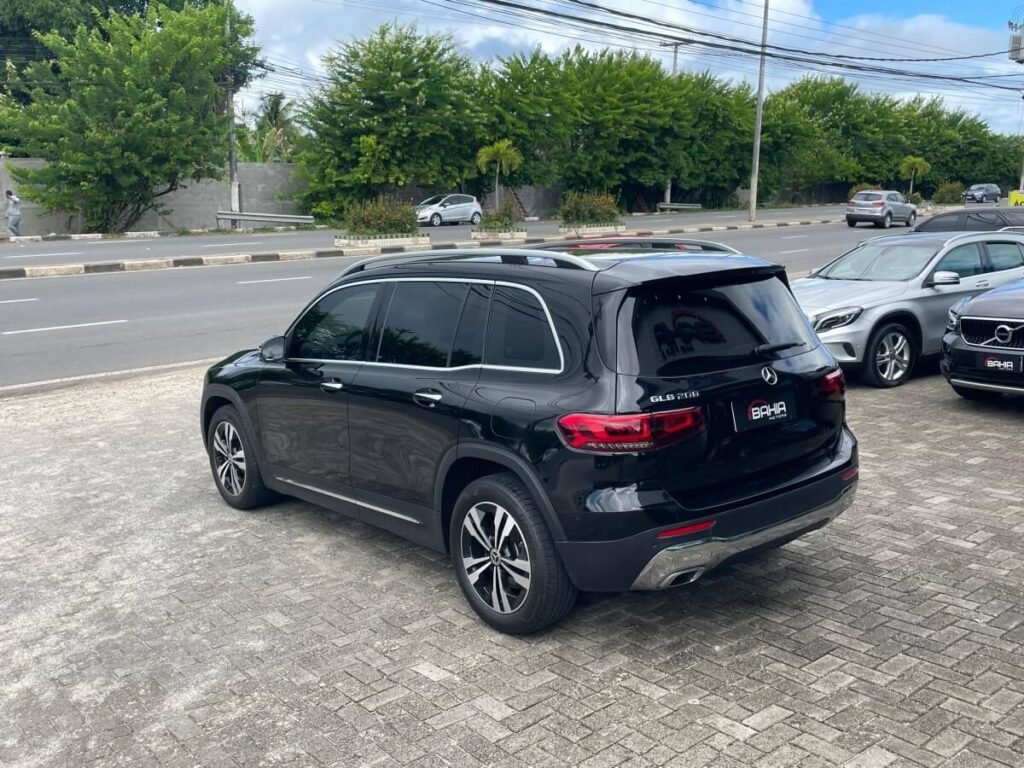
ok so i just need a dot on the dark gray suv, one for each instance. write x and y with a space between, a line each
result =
982 193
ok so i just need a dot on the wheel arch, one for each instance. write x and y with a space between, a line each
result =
906 318
463 464
216 396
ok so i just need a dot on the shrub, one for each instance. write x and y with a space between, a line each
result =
505 219
916 198
589 208
381 216
860 188
948 193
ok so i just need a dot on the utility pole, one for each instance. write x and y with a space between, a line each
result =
675 67
755 166
1017 55
236 193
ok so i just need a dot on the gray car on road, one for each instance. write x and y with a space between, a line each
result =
881 207
883 305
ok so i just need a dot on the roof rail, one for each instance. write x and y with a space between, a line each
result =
1012 229
519 256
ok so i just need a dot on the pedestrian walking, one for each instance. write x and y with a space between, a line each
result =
13 213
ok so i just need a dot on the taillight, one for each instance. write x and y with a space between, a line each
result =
832 386
629 433
878 203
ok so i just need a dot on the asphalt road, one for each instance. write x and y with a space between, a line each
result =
87 251
53 328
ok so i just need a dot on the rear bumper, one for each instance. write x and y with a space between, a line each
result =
685 563
643 561
872 217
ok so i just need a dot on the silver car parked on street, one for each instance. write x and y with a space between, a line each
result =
883 305
449 209
880 207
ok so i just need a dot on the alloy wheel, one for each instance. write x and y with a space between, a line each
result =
495 557
892 360
229 458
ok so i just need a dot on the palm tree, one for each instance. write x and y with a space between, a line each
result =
504 157
275 125
911 167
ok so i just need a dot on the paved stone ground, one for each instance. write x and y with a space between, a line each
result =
144 623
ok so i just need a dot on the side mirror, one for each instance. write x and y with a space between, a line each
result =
272 350
944 278
814 271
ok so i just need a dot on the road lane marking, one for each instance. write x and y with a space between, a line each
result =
128 241
273 280
108 374
794 237
34 255
63 327
15 301
799 250
232 245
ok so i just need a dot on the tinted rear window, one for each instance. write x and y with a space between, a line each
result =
672 330
518 332
867 196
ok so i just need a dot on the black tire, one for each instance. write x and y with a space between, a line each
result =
977 395
250 493
475 218
887 221
851 223
884 335
549 593
436 220
912 219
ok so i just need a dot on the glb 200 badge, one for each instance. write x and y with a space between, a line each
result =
674 397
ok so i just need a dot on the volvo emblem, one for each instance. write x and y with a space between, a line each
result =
1004 334
769 375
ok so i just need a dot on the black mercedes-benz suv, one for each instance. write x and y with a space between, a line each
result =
983 349
553 423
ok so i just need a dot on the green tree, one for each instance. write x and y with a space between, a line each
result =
399 108
912 166
270 135
128 112
505 158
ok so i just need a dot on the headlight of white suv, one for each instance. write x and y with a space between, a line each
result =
838 318
953 316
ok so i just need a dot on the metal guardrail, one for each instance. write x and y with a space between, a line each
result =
284 218
679 207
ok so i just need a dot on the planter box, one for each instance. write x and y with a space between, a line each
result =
584 230
508 234
381 241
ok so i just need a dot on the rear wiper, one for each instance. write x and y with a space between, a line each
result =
766 349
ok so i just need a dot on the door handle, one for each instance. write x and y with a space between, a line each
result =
428 398
331 385
983 284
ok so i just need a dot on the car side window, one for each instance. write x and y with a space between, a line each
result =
420 323
965 260
893 197
468 348
941 223
518 332
335 328
983 221
1003 256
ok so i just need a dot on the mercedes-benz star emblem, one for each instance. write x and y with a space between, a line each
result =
1004 334
770 376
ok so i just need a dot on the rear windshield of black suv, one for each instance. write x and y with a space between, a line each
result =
674 330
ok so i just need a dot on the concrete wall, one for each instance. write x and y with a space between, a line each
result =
266 188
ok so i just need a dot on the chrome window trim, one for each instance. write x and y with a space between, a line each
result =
467 281
349 499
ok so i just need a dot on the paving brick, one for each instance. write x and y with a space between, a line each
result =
148 624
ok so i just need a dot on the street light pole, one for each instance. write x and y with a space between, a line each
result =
675 66
755 165
235 190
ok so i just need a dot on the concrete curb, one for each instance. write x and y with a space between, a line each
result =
140 235
136 265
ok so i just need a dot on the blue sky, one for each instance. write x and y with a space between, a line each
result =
295 34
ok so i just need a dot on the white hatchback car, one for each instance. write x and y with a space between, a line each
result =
449 209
